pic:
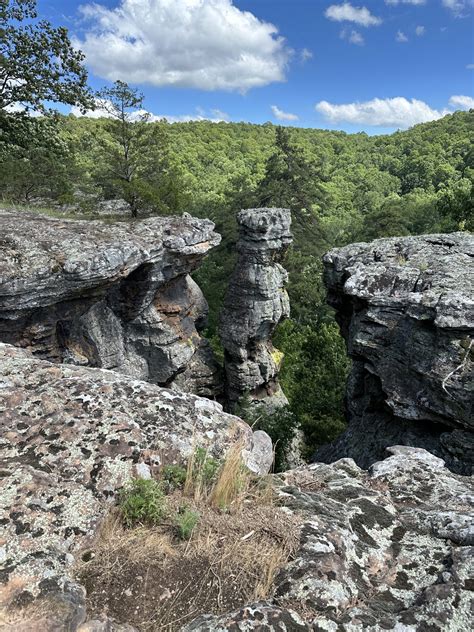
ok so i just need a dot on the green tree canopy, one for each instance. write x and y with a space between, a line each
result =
37 61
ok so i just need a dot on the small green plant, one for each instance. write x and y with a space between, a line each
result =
186 520
174 477
206 466
142 502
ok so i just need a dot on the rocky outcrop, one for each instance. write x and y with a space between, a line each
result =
406 309
70 437
388 549
255 303
111 295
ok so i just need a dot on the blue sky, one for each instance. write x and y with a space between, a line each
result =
371 66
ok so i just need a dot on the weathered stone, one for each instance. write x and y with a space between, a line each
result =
406 309
69 438
255 303
116 296
377 551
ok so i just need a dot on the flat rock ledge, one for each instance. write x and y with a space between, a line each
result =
387 549
70 437
406 309
114 295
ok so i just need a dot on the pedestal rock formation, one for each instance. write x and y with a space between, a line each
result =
406 310
111 295
255 303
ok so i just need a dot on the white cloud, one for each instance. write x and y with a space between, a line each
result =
204 44
15 108
347 13
460 8
395 2
420 30
401 37
470 66
354 37
283 116
102 111
398 112
306 55
461 101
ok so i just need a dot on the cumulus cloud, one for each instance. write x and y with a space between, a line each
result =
204 44
397 112
354 37
306 55
401 37
420 30
460 8
347 13
283 116
461 101
104 107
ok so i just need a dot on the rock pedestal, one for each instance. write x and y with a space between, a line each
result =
109 295
255 303
406 310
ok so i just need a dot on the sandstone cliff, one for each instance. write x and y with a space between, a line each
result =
255 303
406 310
111 295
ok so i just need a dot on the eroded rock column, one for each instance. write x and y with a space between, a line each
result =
255 303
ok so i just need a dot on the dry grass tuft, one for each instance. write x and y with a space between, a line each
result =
152 579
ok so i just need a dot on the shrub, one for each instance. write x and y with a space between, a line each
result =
174 476
186 520
142 502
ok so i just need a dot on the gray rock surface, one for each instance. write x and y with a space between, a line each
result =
406 310
255 303
110 295
69 438
388 549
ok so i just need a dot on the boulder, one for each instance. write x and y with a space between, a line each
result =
387 549
255 303
110 295
406 309
70 437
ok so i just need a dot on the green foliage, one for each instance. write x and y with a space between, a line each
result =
37 61
142 502
35 161
205 467
280 424
133 156
174 476
186 520
313 376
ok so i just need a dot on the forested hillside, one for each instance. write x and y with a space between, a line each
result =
340 188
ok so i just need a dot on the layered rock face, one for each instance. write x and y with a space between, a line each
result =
255 303
406 310
70 437
388 549
117 296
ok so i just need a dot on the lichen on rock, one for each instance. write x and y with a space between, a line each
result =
110 295
406 310
70 437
